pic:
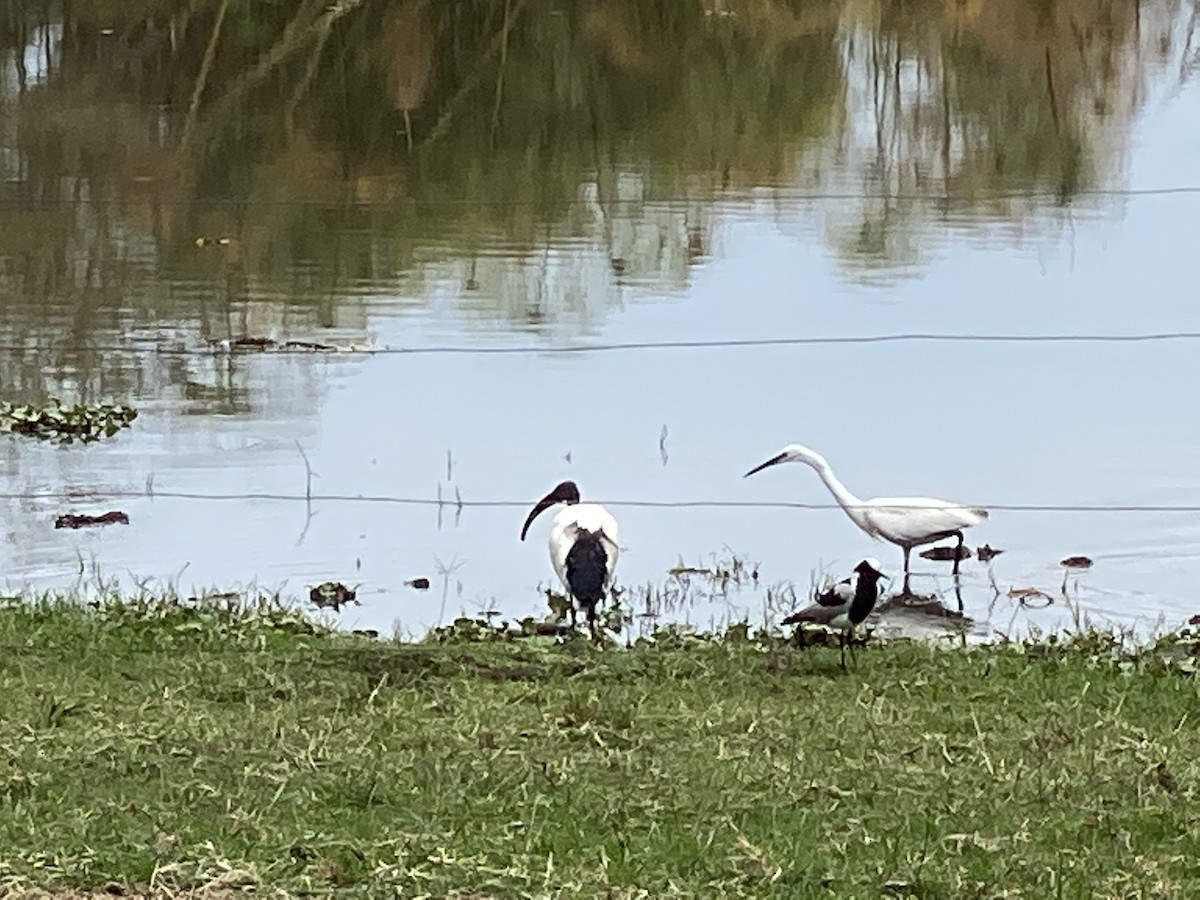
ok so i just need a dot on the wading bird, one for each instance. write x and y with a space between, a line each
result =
846 605
905 521
583 547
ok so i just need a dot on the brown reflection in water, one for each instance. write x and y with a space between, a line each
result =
522 150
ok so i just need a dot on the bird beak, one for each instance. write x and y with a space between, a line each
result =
542 505
770 462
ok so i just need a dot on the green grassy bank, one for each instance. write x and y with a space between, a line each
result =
164 748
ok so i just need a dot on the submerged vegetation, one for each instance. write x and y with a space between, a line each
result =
233 743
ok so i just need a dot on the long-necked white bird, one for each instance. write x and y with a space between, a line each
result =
846 605
905 521
583 547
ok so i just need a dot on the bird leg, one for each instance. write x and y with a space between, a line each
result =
906 592
957 586
571 609
591 615
842 641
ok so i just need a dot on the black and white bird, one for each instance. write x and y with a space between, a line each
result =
905 521
846 605
583 547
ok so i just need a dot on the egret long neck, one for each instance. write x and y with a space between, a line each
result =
846 500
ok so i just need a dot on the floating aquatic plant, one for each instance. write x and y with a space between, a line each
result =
1076 562
332 595
266 344
66 424
944 554
81 520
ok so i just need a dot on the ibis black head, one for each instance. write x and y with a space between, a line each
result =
566 492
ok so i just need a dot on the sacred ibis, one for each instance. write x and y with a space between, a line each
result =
583 547
905 521
846 605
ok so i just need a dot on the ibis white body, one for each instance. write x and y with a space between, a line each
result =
581 520
583 547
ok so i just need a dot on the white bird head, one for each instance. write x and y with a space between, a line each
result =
793 453
565 492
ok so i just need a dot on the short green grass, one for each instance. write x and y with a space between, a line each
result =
160 747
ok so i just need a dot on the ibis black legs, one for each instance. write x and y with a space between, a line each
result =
591 617
906 592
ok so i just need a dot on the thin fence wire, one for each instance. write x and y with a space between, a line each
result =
220 348
452 504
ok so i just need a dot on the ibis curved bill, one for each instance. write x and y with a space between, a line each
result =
905 521
846 605
583 547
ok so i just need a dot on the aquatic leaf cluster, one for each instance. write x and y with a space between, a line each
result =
332 595
250 619
66 424
1171 653
470 630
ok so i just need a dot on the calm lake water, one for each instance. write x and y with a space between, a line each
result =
513 188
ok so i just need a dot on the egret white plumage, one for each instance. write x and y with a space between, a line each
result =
583 547
846 605
905 521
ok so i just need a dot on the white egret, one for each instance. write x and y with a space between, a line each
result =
905 521
583 547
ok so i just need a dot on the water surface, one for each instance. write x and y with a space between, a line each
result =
512 190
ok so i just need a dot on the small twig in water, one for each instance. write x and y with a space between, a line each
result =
446 571
309 475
